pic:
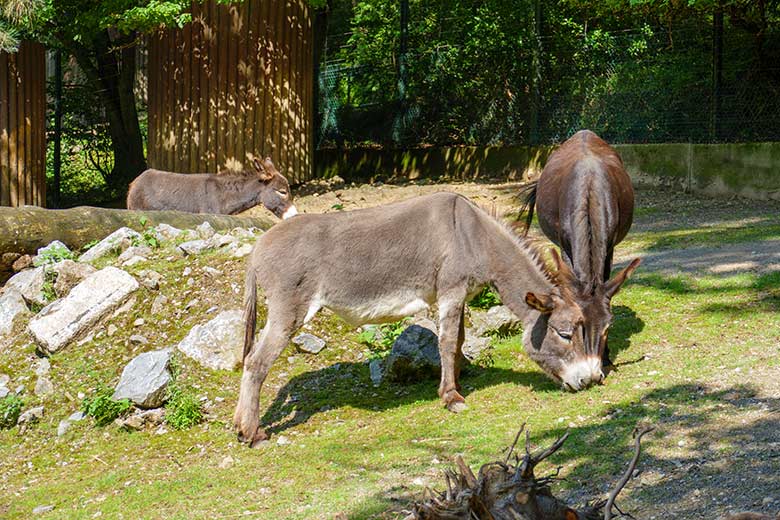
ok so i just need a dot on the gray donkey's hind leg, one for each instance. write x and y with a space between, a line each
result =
273 339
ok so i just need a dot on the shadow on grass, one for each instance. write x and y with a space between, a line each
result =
349 385
729 462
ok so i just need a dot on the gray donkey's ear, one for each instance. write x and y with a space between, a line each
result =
264 174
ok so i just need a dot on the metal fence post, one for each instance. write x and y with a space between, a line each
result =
717 71
536 76
400 116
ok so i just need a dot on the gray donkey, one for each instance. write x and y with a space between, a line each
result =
223 193
388 262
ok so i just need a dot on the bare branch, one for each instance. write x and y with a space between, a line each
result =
638 433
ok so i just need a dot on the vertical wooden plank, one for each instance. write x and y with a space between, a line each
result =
292 96
184 101
264 110
213 129
13 133
229 93
195 73
153 74
5 148
27 87
204 37
165 107
242 84
41 98
250 77
308 69
172 106
277 108
284 91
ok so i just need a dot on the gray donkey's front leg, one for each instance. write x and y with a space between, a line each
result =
450 343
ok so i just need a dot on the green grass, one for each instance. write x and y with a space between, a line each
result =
711 236
681 344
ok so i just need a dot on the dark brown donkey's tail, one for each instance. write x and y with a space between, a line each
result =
527 196
250 310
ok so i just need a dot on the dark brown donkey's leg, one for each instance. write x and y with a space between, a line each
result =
450 325
273 339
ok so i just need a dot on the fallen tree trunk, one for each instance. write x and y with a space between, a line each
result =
23 230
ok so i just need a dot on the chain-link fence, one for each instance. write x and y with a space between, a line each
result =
481 73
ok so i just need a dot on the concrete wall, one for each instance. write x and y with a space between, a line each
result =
746 169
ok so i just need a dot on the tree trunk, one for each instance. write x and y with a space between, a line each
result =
112 73
23 230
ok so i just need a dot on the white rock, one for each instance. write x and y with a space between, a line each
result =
138 339
217 344
65 424
283 441
43 386
130 252
42 509
42 367
166 232
205 230
242 251
120 239
11 305
111 330
150 279
69 274
135 260
226 462
30 284
497 319
145 379
220 240
4 380
193 247
158 304
309 343
97 295
30 416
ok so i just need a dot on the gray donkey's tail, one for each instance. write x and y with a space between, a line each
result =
528 197
250 310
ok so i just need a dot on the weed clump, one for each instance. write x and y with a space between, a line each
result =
10 410
103 408
486 299
380 339
55 253
182 409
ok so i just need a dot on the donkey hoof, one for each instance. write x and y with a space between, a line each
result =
260 439
457 406
254 440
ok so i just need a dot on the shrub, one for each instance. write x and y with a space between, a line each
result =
380 339
10 410
103 408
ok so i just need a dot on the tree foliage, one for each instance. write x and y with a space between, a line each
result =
498 72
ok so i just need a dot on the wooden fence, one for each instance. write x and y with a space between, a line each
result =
23 126
236 82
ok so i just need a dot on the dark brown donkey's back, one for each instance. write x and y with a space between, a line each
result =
224 193
585 203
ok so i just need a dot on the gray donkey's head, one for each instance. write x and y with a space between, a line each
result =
274 190
556 341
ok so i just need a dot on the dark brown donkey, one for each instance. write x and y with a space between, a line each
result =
585 203
223 193
388 262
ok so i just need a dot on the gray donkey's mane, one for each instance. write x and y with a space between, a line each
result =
528 245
